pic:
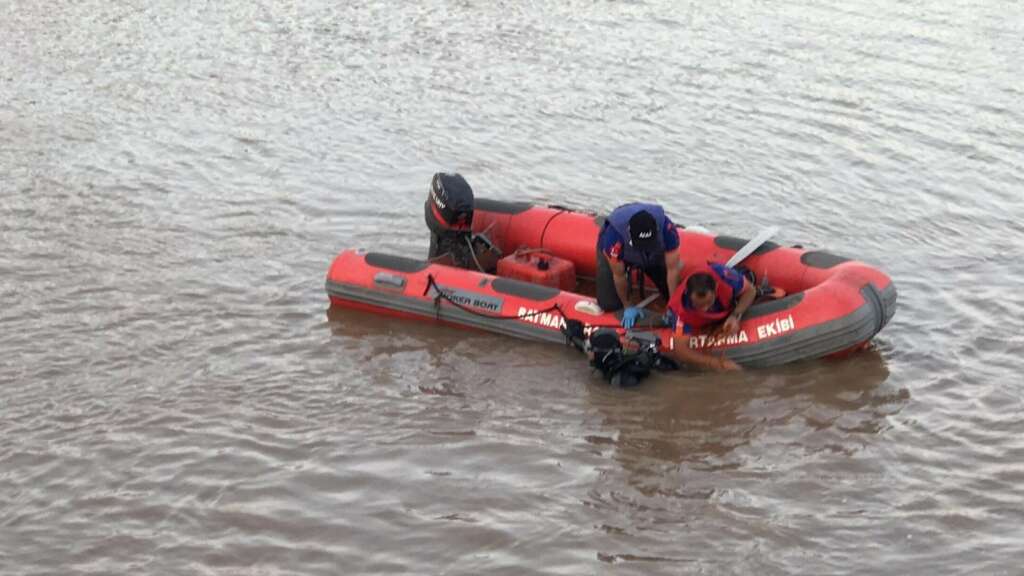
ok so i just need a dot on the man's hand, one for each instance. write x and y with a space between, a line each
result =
731 326
631 315
725 365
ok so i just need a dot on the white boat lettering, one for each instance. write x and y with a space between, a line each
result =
547 319
776 327
707 341
472 299
440 203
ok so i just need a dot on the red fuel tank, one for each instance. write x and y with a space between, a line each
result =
539 267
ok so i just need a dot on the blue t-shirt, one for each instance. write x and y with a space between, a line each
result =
610 242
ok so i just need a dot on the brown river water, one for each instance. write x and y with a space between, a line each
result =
176 397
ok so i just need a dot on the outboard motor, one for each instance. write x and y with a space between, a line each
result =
449 215
449 206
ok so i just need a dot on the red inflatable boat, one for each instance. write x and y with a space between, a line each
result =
834 304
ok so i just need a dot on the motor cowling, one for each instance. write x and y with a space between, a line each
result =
449 215
449 205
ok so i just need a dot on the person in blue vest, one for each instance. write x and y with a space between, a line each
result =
636 237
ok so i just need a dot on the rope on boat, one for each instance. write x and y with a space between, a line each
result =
441 295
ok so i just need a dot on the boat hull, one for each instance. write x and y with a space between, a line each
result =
836 305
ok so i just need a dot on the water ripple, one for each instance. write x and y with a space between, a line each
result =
177 398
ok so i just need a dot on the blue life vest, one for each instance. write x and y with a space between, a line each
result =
619 220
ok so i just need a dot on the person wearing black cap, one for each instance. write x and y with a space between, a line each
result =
638 237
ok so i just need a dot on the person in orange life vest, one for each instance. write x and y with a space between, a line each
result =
713 293
636 236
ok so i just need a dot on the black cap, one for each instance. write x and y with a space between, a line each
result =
643 231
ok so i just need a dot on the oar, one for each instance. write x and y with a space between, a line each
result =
752 245
643 303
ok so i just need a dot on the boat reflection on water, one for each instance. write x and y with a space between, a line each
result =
378 334
749 420
701 421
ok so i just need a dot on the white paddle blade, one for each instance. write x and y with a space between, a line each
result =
752 245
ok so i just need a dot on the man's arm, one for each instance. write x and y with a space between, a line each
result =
673 269
732 323
688 355
746 299
619 276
